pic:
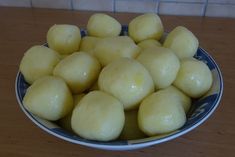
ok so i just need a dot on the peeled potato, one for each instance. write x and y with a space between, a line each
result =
162 64
49 98
63 56
99 116
110 49
64 38
38 61
127 80
88 44
131 129
160 113
146 26
183 98
149 43
79 70
65 122
194 78
182 42
102 25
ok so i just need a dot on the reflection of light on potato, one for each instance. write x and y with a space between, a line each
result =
38 61
110 49
131 129
79 70
49 98
182 42
194 78
146 26
102 25
160 113
64 38
127 80
98 116
162 64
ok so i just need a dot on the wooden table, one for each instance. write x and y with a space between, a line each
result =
22 28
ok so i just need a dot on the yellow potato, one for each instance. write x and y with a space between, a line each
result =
146 26
88 44
162 64
103 25
182 42
38 61
99 116
194 78
79 70
49 98
160 113
65 122
63 56
64 38
131 129
149 43
127 80
112 48
183 98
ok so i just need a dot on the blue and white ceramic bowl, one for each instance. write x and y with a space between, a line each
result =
200 111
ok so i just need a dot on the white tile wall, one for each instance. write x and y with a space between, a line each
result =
98 5
223 10
222 1
16 3
174 8
217 8
136 6
185 1
56 4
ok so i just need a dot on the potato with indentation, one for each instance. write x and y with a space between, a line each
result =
146 26
98 116
194 78
160 113
149 43
38 61
183 98
103 25
65 122
131 129
110 49
49 98
88 44
182 41
162 64
64 38
79 70
127 80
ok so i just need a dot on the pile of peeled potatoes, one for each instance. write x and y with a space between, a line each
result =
105 86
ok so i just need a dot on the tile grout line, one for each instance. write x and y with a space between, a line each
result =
205 8
71 4
31 3
156 8
114 6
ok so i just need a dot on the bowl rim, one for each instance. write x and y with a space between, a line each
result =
130 145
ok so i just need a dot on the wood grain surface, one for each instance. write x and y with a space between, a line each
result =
22 28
